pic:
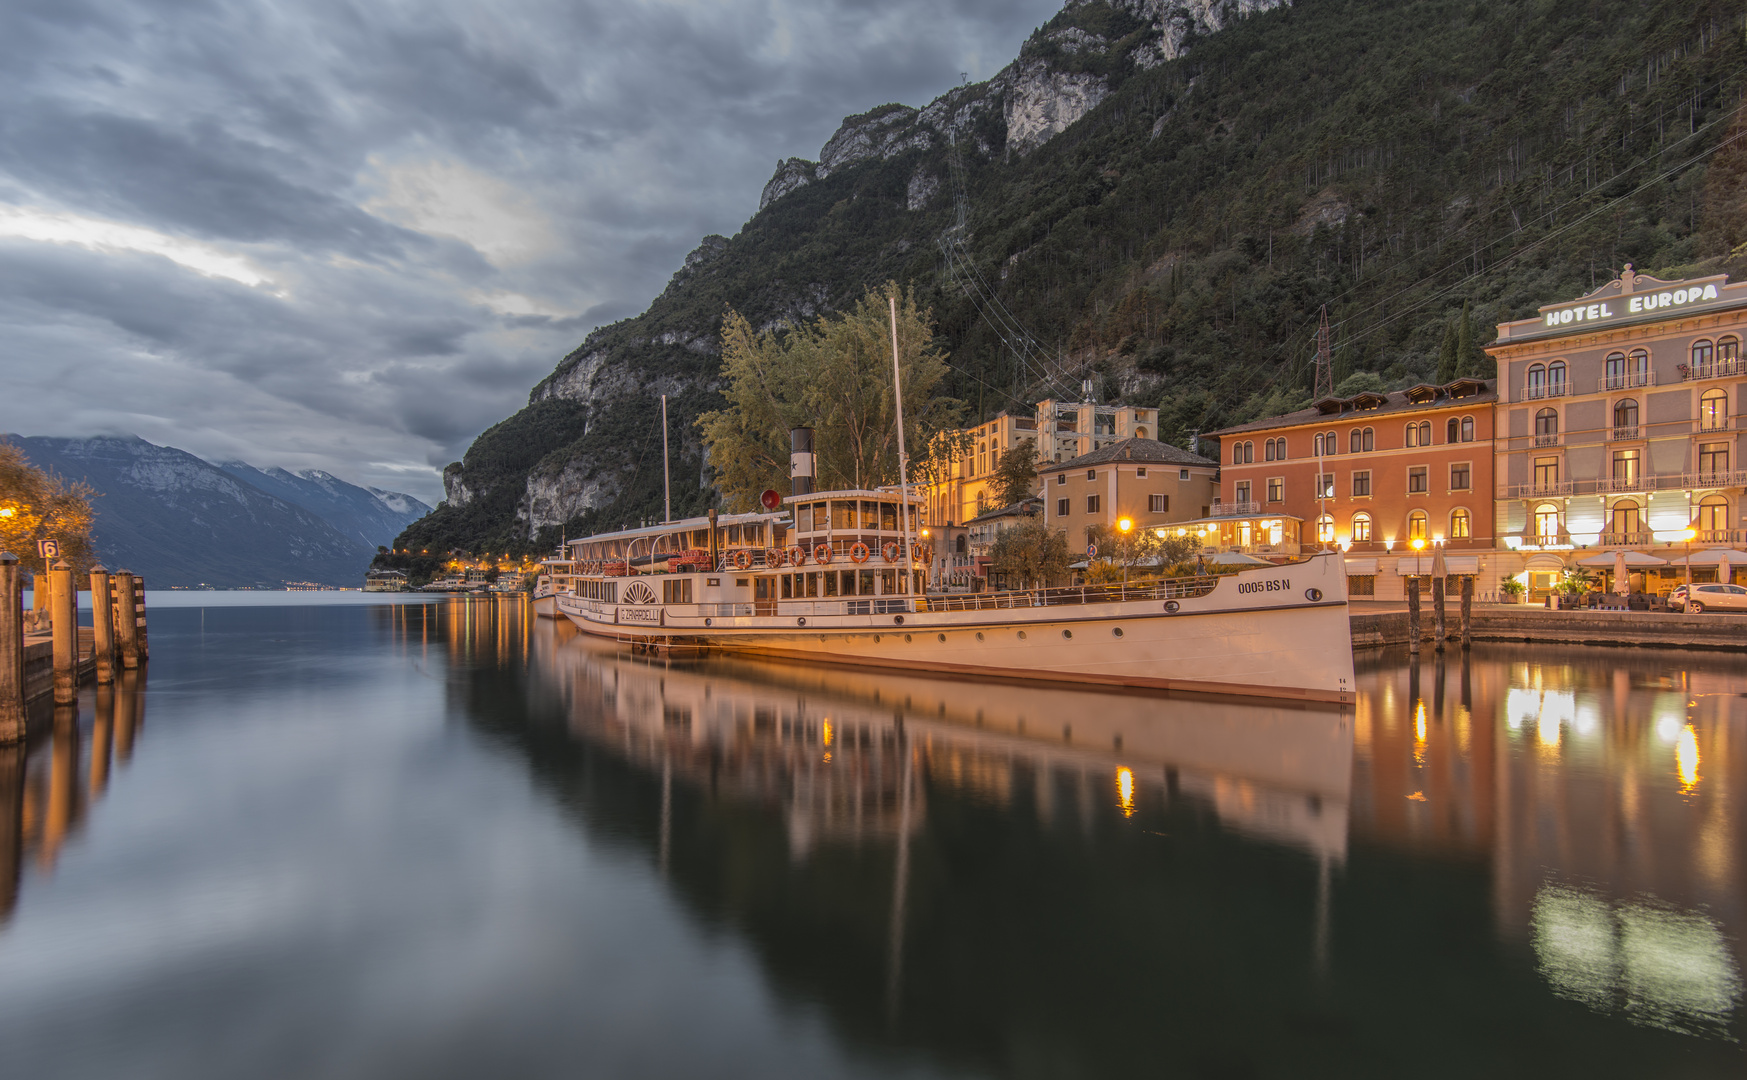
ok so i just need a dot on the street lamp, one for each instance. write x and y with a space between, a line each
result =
1689 535
1125 526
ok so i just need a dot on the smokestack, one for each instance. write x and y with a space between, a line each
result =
801 461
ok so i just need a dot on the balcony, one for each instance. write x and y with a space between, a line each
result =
1624 434
1626 380
1718 536
1716 369
1623 485
1539 489
1719 479
1706 424
1547 440
1236 509
1625 539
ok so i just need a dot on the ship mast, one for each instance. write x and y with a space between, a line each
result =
903 459
666 490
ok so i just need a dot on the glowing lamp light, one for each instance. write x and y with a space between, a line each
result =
1416 543
6 512
1160 533
1125 524
1125 790
1689 534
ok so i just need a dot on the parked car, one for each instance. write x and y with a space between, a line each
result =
1712 597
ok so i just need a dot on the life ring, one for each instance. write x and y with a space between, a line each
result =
891 551
743 559
858 552
773 557
822 553
797 555
922 553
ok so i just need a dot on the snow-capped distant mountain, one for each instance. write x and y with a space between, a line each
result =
371 515
181 521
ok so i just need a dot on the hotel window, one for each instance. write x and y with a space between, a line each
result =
1536 387
1370 440
1158 504
1728 348
1091 504
1626 419
1546 427
1702 351
1361 528
1318 445
1092 474
1325 486
1362 484
1325 529
1182 474
1268 450
1467 429
1416 480
1450 430
1140 474
1459 476
1061 478
1555 379
1713 459
1546 473
1713 410
1461 525
1361 584
1547 523
1626 466
1241 491
1625 371
1276 489
1061 508
1360 440
1416 525
1419 434
1713 517
1624 520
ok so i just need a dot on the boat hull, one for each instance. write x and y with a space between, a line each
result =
546 607
1278 632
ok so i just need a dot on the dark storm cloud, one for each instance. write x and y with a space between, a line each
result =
351 236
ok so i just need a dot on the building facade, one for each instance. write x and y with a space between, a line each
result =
1387 478
1622 418
969 488
1071 429
1150 482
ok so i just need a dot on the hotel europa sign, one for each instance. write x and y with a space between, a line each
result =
1637 304
1629 299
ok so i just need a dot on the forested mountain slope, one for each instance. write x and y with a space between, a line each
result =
1163 193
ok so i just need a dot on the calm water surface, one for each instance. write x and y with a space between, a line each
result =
439 840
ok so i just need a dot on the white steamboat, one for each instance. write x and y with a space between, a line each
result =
837 582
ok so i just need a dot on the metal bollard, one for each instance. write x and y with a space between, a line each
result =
1413 616
1438 613
64 610
102 626
12 714
1467 612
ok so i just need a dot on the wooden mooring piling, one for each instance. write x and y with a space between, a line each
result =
35 666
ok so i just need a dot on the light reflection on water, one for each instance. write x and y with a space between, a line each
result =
352 819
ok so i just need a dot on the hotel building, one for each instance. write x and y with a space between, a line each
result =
1150 482
1384 477
1621 414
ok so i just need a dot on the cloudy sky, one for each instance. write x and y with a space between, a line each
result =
351 236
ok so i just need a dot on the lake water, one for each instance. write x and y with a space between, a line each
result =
439 839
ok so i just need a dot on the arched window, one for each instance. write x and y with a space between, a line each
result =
1546 427
1625 519
1615 371
1728 348
1412 435
1329 443
1702 353
1361 528
1249 452
1353 441
1625 417
1467 429
1713 517
1450 429
1638 367
1268 450
1461 525
1547 523
1537 384
1140 433
1320 445
961 545
1237 453
1416 526
1556 378
1325 529
1425 432
1713 409
1370 441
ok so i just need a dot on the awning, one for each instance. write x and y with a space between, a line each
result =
1541 562
1633 558
1713 557
1420 566
1361 566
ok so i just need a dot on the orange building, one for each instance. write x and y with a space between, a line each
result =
1401 473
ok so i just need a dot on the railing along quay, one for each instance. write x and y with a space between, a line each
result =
38 666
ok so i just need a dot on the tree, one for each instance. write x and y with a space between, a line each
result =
1471 360
1449 354
1015 474
1138 545
834 375
1031 553
36 505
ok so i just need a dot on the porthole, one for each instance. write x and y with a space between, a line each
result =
899 620
1313 595
876 639
906 639
1021 635
1116 631
1171 607
709 622
979 635
1067 633
941 636
802 621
